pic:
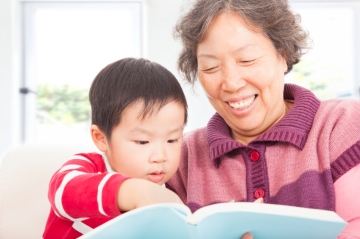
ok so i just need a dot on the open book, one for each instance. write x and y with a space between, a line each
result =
221 221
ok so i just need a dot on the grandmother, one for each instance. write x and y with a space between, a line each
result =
267 139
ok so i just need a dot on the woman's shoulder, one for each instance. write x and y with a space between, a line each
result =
339 112
195 138
195 146
340 102
195 133
338 120
339 108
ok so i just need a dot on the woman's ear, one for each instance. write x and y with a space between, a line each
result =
284 62
99 138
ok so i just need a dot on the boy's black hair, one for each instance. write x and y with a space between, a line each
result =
127 81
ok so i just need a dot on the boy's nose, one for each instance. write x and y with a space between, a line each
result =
158 159
158 156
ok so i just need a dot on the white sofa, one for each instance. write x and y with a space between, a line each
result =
25 172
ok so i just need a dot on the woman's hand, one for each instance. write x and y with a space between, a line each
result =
247 236
259 200
134 193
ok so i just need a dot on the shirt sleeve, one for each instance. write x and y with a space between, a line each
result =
347 205
81 189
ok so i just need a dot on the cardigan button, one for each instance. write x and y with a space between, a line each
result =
259 193
254 155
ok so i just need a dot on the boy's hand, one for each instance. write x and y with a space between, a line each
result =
134 193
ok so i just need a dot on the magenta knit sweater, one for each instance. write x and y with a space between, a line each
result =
296 162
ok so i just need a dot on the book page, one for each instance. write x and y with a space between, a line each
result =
160 221
232 220
264 208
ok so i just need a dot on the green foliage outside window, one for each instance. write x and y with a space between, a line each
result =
66 104
317 77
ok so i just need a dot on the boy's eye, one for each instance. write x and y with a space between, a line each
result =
170 141
141 142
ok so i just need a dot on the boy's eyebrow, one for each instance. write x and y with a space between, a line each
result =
144 131
140 130
180 128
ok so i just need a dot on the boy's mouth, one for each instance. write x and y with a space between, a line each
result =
156 176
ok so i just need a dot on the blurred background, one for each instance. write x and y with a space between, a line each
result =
50 51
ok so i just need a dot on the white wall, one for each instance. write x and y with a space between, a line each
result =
159 45
9 77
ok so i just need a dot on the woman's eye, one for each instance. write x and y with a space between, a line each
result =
141 142
170 141
247 61
210 69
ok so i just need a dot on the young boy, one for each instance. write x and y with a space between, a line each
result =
138 114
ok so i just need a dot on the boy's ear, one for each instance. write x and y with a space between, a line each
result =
99 138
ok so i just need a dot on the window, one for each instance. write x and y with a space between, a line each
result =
328 69
65 45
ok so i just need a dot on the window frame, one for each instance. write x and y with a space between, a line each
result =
27 82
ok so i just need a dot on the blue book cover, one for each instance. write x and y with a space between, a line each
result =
223 220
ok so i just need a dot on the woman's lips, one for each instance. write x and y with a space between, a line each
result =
156 177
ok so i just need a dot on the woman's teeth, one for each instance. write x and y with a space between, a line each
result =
242 104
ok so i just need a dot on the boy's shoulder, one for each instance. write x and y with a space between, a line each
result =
93 158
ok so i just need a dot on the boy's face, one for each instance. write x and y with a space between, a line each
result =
147 148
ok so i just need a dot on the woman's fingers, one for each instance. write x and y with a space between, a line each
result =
247 236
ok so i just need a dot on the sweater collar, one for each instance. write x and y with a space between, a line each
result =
292 128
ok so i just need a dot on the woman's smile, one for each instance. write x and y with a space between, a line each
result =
242 104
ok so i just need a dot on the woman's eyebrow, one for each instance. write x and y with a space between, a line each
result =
207 56
243 48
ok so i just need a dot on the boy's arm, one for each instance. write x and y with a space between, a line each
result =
134 193
81 188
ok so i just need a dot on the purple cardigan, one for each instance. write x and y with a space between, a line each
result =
296 162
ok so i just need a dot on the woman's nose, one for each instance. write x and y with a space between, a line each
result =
232 79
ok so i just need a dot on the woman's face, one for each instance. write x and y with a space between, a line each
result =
242 75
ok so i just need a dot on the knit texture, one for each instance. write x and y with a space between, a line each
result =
299 158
